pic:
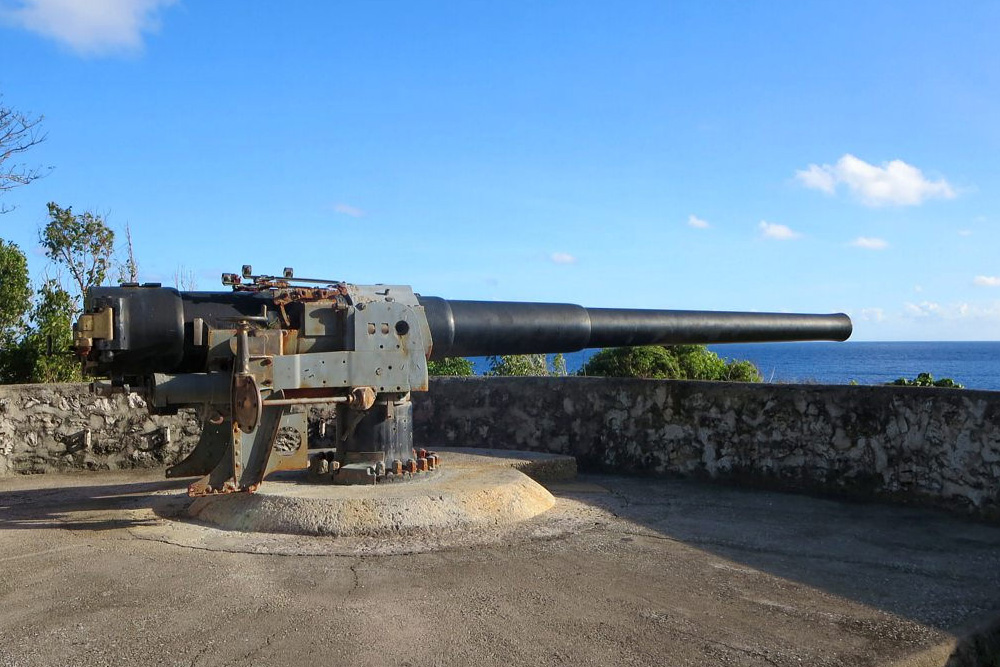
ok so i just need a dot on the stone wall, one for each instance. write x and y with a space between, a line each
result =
937 446
909 444
63 427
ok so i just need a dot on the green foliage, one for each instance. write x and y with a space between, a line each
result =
528 365
518 365
450 366
927 380
82 243
559 366
633 362
673 362
15 292
35 339
742 370
42 354
53 331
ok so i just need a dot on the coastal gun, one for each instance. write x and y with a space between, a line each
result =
255 359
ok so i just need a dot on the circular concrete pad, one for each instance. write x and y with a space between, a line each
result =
467 492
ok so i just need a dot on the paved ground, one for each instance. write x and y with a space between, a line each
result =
620 572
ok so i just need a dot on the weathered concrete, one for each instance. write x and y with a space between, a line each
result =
620 571
936 446
467 492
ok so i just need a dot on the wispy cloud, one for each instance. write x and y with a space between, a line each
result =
562 258
347 209
922 309
954 311
869 243
893 183
987 281
697 223
965 232
88 27
772 230
872 314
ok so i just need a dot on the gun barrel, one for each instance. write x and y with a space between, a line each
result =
481 328
161 330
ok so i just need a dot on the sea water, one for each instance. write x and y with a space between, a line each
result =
973 364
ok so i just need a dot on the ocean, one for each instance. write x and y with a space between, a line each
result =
973 364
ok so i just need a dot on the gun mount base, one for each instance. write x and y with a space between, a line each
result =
475 491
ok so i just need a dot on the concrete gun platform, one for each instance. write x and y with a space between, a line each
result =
94 571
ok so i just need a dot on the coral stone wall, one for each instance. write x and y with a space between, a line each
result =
937 446
46 427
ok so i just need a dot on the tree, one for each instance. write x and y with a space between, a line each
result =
128 270
15 301
649 361
18 133
559 366
15 292
83 244
450 366
35 340
185 279
671 362
518 365
53 335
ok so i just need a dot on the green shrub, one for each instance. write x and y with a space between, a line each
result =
450 366
508 365
633 362
927 380
672 362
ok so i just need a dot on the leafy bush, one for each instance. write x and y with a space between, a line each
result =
927 380
633 362
743 370
518 365
672 362
450 366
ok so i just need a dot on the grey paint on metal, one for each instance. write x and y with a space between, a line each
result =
190 388
390 341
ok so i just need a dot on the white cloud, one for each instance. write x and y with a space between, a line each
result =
562 258
895 182
872 314
89 27
772 230
869 243
987 281
965 232
697 223
816 177
955 311
922 309
347 209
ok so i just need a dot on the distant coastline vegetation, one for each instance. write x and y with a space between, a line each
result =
672 362
926 380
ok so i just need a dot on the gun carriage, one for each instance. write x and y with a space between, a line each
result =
255 359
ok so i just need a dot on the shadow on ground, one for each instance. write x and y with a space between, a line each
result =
921 564
932 568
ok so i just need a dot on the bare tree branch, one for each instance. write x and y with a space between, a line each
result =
19 132
128 270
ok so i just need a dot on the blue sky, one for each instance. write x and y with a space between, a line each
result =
785 156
